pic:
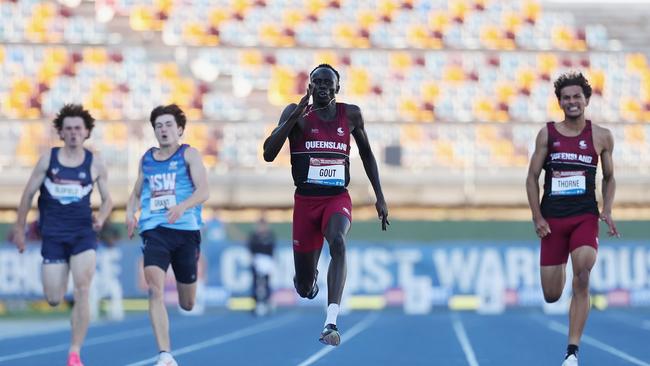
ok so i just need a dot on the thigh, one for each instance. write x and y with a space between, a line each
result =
82 267
55 279
156 248
185 257
555 246
338 207
307 234
583 259
585 233
553 277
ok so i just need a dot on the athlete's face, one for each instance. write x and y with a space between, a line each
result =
73 131
167 131
573 101
324 85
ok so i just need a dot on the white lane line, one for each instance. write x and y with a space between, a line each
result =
356 329
249 331
89 342
464 341
563 329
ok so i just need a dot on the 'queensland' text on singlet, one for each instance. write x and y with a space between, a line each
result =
570 174
320 155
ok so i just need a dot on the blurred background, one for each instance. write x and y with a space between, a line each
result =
453 94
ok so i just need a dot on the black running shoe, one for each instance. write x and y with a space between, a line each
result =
314 289
330 335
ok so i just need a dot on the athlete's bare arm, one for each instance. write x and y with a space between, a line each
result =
368 158
133 204
532 182
101 174
201 190
291 115
32 186
606 141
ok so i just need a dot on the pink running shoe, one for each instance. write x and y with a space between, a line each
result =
74 359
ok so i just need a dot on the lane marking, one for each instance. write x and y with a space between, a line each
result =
89 342
354 331
563 329
228 337
459 329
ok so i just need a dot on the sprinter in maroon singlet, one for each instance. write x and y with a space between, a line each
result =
567 219
319 138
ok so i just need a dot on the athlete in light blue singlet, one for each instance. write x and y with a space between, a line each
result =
169 191
65 177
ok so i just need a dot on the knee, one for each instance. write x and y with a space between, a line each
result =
303 287
155 293
337 246
551 296
53 301
187 304
81 291
581 280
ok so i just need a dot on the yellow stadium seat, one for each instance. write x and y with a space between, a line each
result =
359 80
167 71
546 63
141 18
314 7
400 61
292 18
453 73
95 55
636 62
240 6
251 58
366 18
531 10
327 57
217 15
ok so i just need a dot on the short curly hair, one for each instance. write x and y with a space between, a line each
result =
74 110
172 109
572 78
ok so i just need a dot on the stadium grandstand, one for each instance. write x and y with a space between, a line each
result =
453 91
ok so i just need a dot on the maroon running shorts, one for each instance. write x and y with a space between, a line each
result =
567 234
311 215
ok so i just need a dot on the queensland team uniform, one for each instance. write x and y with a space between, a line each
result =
320 166
65 215
569 201
167 183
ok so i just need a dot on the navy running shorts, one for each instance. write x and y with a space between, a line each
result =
162 246
59 249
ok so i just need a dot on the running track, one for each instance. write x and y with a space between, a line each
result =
389 337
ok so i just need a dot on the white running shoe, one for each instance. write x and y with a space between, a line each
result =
166 359
572 360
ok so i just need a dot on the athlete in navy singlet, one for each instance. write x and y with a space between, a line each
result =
65 176
319 138
567 218
171 186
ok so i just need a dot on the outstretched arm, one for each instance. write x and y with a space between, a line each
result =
369 161
609 183
542 227
102 185
32 186
290 116
133 204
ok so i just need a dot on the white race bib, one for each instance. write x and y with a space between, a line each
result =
66 190
568 183
327 172
162 202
